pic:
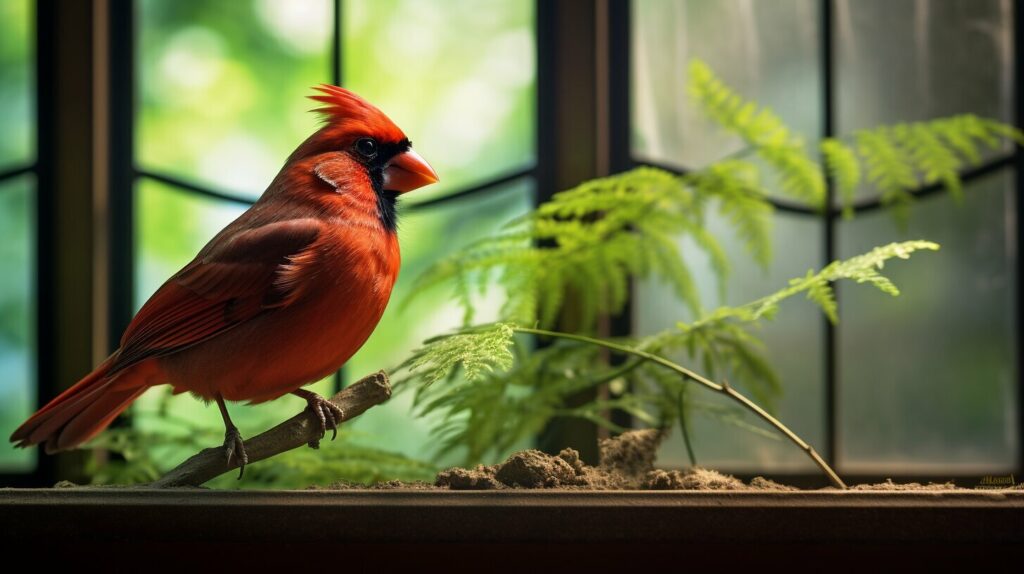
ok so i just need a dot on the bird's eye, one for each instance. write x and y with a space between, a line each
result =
367 147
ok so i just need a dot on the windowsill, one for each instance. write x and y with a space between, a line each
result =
410 516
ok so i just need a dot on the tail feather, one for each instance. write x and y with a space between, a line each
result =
82 411
93 419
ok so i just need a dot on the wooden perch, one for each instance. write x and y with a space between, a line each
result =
295 432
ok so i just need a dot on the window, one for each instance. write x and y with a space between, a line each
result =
947 403
510 103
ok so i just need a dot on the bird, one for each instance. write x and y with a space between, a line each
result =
281 297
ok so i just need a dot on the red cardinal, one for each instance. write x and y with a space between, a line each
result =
281 297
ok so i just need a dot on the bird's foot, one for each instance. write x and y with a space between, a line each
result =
234 447
328 414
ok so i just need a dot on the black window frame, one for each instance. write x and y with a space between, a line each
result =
553 30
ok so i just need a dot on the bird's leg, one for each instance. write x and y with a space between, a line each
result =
328 413
232 439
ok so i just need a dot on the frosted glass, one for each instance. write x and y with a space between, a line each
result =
767 51
927 380
906 61
915 61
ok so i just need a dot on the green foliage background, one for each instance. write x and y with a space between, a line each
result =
17 212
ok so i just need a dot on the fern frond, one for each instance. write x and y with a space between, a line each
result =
477 351
862 269
844 169
1000 129
821 293
589 242
506 397
897 158
763 131
744 203
901 157
931 157
888 166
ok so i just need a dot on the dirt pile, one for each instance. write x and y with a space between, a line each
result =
627 463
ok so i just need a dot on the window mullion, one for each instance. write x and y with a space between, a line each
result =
829 220
121 198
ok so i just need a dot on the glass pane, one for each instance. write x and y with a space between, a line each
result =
456 75
915 61
927 380
17 311
15 83
908 61
767 51
427 236
794 346
224 84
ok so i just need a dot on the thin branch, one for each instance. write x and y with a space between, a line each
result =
725 389
293 433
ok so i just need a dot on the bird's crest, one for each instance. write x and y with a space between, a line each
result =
349 111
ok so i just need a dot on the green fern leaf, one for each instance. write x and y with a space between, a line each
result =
764 131
931 157
844 169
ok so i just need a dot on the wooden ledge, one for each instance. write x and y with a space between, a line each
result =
418 516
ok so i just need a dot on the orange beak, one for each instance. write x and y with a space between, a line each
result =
408 171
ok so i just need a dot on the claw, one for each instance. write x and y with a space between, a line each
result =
232 439
328 414
235 447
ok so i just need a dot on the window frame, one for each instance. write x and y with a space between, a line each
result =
555 27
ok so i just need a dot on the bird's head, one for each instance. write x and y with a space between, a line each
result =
357 128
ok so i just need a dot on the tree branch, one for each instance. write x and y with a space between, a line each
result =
295 432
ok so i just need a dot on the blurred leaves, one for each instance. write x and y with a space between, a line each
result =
458 76
17 201
16 85
763 131
222 87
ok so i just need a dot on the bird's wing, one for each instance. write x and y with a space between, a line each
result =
232 281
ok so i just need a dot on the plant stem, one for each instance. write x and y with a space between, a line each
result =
724 388
684 430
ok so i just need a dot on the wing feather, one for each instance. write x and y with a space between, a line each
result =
235 278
